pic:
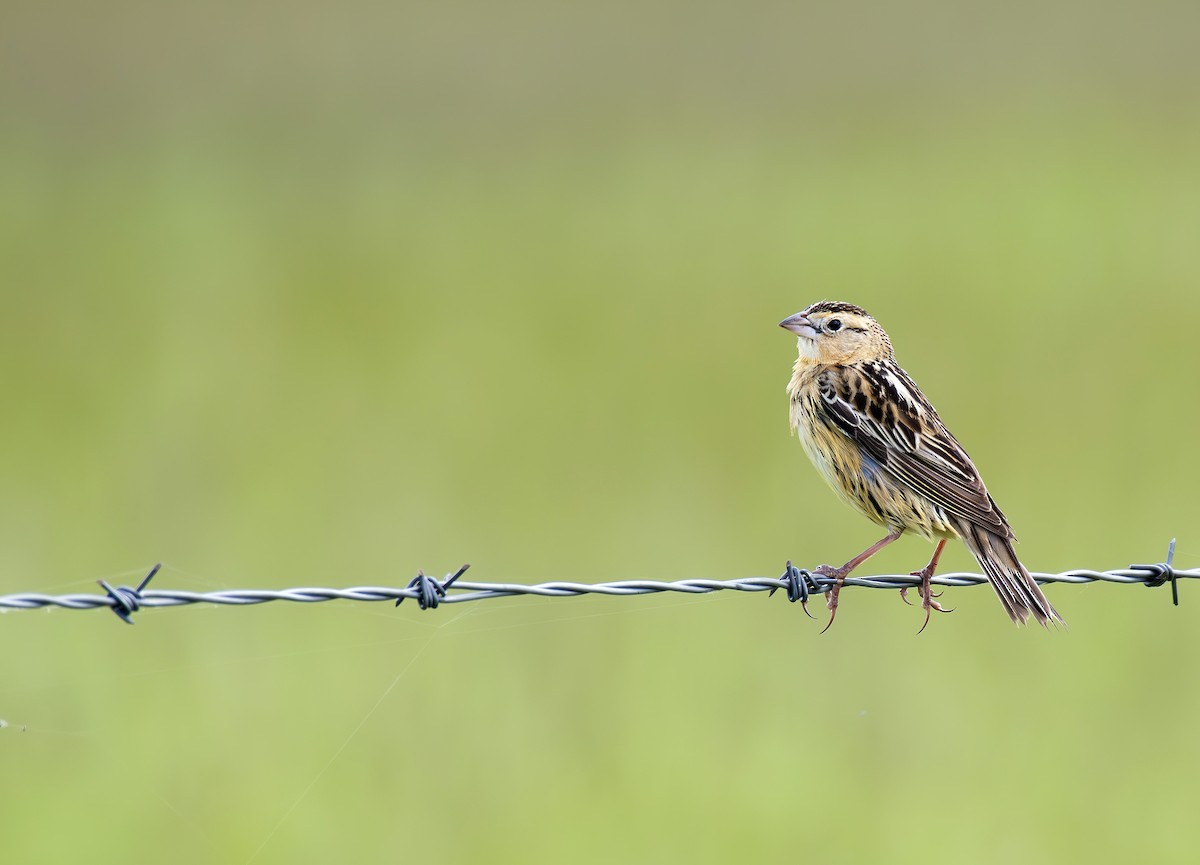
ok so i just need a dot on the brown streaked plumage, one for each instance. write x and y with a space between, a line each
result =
882 447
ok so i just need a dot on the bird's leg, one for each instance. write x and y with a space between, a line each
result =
839 574
926 591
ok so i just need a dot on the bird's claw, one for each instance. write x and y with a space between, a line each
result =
925 574
929 605
831 594
925 590
830 602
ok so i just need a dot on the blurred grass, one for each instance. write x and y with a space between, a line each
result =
290 303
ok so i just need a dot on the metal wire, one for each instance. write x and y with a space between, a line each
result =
429 592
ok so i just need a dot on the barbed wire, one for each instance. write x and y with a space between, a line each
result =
799 585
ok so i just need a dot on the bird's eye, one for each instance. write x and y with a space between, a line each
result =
835 324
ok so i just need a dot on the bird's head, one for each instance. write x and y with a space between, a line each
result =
832 332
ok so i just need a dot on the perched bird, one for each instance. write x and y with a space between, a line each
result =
881 446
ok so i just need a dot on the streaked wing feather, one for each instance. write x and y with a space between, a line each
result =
887 416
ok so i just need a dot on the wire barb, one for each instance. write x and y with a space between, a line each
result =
796 581
430 591
1163 572
127 601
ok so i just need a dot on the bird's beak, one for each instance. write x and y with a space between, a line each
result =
799 325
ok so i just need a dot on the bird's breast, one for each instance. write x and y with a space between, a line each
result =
836 457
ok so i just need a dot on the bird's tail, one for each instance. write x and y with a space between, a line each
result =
1016 589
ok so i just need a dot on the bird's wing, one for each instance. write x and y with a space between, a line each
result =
883 411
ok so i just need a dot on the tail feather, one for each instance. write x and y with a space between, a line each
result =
1017 590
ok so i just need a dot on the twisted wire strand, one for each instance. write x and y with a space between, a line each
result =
124 600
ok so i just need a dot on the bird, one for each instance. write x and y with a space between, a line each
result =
881 446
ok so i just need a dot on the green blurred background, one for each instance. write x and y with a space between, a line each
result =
302 294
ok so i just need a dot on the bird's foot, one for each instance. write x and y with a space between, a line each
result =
925 590
838 575
904 591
